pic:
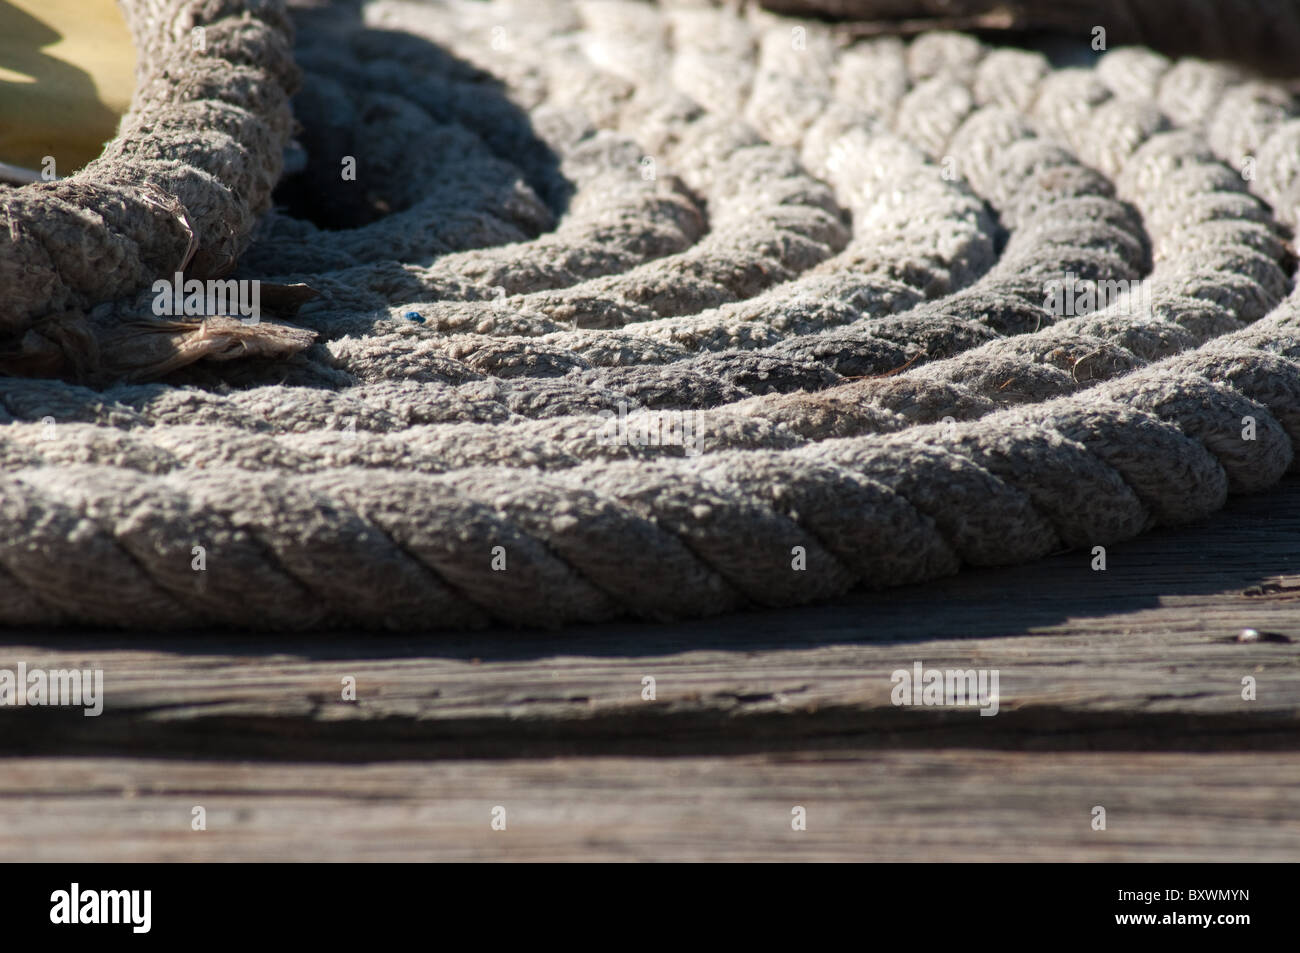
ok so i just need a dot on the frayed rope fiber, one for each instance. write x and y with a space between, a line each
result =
668 310
192 165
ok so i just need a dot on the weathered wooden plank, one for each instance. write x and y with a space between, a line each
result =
1119 692
878 806
1139 656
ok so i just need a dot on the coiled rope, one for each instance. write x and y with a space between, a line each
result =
679 309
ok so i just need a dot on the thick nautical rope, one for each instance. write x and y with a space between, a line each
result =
835 259
178 189
1261 32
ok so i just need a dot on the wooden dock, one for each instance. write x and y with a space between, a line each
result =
1120 689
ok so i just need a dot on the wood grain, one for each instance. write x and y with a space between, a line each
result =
860 806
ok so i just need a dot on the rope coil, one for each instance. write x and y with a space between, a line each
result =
835 273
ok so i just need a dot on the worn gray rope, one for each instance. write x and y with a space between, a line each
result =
193 164
800 238
1260 31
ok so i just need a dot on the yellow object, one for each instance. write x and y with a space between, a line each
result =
67 72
